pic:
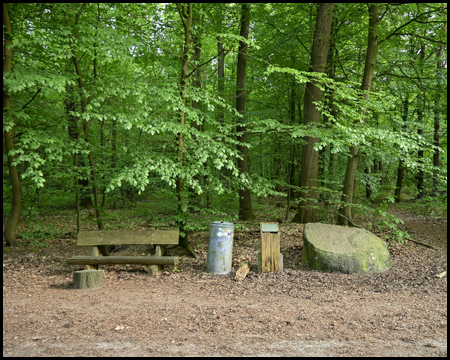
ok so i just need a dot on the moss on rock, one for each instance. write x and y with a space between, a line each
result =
334 248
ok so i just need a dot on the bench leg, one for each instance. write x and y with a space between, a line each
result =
155 269
95 252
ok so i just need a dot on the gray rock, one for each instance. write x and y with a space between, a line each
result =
347 250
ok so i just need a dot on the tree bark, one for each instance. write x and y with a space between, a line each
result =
309 172
398 186
420 110
196 199
186 18
245 203
220 70
11 225
366 86
292 150
84 199
85 129
401 167
436 140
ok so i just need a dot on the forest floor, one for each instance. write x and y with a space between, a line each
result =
186 312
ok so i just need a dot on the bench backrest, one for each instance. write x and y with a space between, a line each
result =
128 237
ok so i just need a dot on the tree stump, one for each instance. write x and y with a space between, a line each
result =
89 279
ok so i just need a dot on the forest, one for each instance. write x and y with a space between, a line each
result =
205 110
165 118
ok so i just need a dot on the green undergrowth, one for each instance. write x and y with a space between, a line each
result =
55 213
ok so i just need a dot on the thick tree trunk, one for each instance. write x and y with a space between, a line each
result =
245 203
366 86
310 158
13 220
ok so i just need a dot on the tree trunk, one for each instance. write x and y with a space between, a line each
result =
309 172
398 186
84 199
292 152
221 85
182 205
85 128
13 220
366 86
245 203
196 199
220 70
420 110
401 167
436 163
368 185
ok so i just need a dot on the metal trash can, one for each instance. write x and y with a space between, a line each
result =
220 248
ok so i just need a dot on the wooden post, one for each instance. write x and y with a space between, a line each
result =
95 252
155 269
270 247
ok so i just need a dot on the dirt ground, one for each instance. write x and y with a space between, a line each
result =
186 312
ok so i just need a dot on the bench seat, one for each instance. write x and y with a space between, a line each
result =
100 239
103 260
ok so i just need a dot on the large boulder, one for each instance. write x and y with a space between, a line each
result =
342 249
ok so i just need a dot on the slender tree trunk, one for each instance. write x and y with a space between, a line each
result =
221 86
245 203
436 142
368 186
197 23
220 71
398 186
11 225
420 110
85 129
345 212
421 174
292 167
330 172
401 167
186 18
84 199
310 158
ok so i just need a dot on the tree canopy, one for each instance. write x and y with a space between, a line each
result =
101 99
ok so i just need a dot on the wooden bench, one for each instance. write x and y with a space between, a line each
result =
99 240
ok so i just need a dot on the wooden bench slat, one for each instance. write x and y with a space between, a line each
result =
128 237
102 260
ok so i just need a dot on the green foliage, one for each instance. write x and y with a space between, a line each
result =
390 222
130 56
38 233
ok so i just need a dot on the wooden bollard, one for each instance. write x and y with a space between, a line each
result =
270 257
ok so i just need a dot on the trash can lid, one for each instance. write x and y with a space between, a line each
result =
221 224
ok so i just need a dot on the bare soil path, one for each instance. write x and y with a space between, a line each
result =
299 312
